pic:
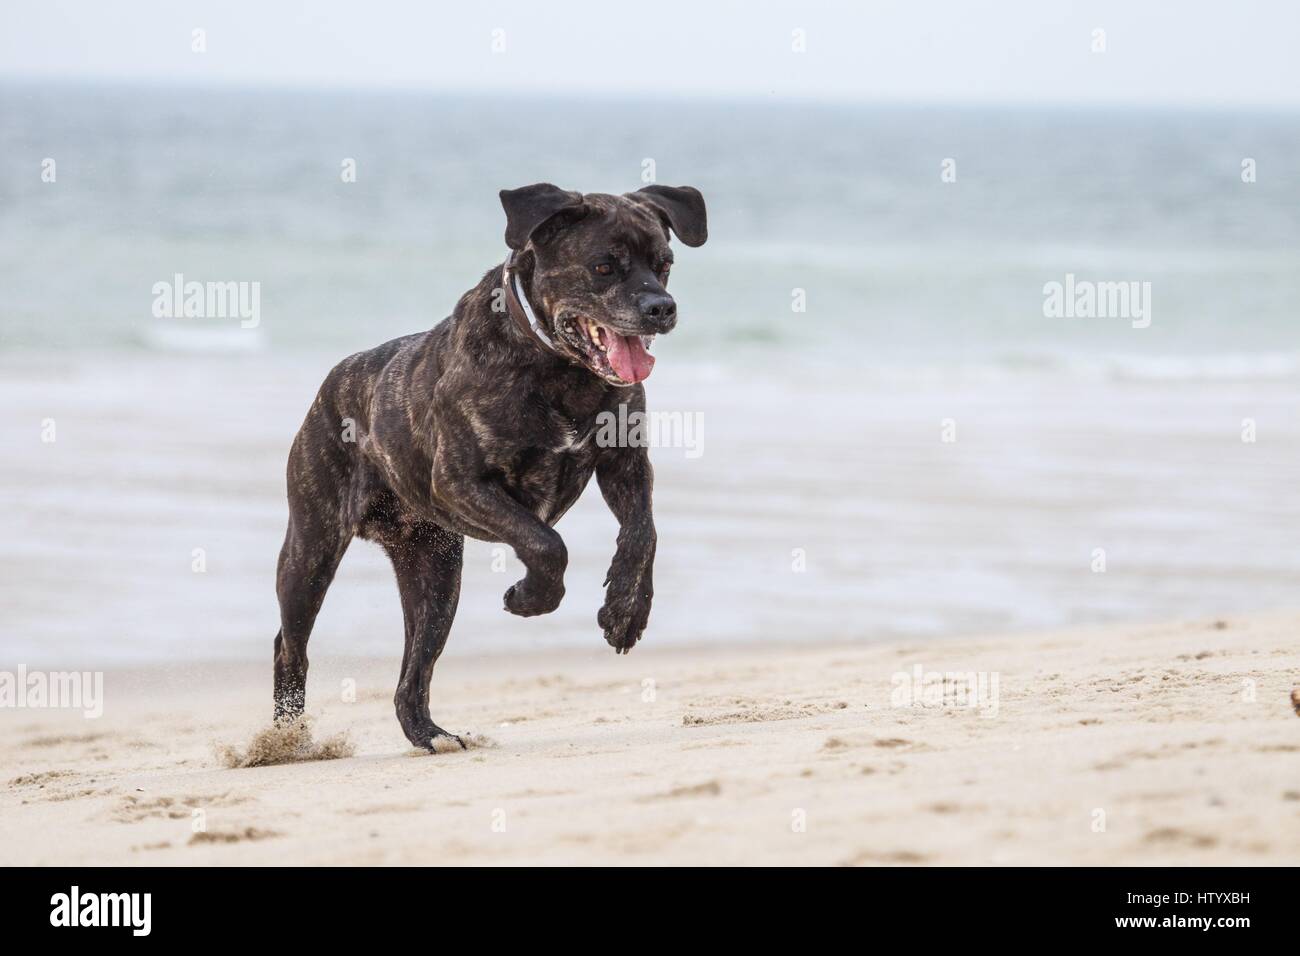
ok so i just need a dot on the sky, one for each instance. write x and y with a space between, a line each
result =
1177 52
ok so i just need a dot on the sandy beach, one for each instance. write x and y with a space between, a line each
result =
1170 744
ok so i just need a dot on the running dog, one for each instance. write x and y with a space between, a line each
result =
483 426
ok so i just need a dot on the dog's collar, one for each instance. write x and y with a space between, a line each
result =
519 309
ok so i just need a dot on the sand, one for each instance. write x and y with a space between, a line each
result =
1169 744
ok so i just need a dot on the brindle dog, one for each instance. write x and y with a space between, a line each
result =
484 425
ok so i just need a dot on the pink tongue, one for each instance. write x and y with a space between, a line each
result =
628 357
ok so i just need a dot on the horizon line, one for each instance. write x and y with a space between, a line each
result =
800 98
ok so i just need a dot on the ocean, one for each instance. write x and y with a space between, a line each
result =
898 436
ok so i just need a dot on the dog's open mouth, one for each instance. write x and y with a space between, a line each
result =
621 359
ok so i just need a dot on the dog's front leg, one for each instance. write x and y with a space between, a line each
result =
484 503
627 481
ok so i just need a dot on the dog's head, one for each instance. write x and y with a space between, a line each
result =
597 266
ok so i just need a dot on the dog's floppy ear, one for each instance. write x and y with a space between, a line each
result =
528 207
683 208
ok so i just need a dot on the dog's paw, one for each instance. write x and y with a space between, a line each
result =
623 623
443 742
527 598
421 731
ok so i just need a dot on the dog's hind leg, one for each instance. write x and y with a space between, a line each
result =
322 490
427 560
313 547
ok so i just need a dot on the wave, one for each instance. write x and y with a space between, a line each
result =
1245 367
898 369
225 339
1010 368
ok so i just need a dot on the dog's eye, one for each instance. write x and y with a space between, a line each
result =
604 269
664 270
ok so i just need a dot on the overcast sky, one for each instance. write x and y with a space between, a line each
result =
1166 51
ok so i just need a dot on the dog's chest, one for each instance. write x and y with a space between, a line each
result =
571 437
549 474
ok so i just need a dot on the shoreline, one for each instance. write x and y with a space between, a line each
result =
861 525
1125 744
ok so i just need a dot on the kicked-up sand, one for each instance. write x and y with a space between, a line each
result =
1172 744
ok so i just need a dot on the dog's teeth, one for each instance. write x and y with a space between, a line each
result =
647 341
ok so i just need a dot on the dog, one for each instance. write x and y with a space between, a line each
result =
483 426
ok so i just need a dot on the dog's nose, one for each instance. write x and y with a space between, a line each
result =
659 308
